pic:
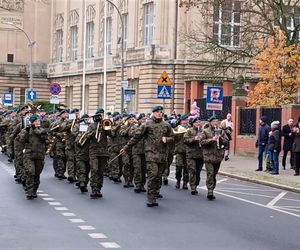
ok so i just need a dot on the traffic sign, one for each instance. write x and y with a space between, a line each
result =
54 99
164 79
8 99
31 95
129 91
214 98
55 88
124 84
164 92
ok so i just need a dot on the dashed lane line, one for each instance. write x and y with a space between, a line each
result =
110 245
86 227
77 220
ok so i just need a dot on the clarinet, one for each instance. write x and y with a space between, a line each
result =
199 133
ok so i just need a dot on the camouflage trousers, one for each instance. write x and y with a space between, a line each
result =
139 165
35 168
181 167
18 162
166 171
98 165
154 173
115 166
61 159
70 165
195 166
127 167
212 170
83 168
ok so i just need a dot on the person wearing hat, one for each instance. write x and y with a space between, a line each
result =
138 158
34 154
262 141
116 143
194 153
127 131
274 146
213 153
156 134
287 133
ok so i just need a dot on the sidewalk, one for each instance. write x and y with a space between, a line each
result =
243 168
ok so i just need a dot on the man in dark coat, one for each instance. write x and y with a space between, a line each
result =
288 142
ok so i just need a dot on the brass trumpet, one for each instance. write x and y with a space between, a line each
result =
107 124
51 146
65 136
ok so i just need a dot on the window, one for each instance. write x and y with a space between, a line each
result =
74 42
59 45
69 96
89 39
108 36
22 95
293 23
10 58
227 21
148 22
125 20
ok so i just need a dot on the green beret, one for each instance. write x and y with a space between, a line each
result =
33 118
141 115
84 116
115 113
212 118
196 119
130 116
63 111
108 113
117 118
157 108
183 117
125 115
75 110
99 110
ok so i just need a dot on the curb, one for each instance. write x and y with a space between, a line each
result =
267 183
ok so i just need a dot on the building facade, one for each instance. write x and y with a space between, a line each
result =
33 18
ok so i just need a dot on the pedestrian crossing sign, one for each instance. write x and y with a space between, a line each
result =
164 92
164 79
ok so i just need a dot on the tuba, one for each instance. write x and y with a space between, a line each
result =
107 124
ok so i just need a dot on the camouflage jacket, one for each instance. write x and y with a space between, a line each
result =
211 153
180 146
193 147
127 132
137 149
152 133
81 151
116 140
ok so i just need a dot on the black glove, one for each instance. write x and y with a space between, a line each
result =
33 126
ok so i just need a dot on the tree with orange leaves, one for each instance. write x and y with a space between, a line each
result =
278 66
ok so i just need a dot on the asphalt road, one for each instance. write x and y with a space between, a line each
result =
244 216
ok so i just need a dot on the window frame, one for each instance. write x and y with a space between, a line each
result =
148 23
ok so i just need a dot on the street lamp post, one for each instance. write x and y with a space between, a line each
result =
122 54
30 45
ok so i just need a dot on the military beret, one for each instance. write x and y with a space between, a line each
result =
130 116
125 115
108 113
157 108
63 111
33 118
84 116
117 118
183 117
213 117
140 116
196 119
115 114
75 110
99 111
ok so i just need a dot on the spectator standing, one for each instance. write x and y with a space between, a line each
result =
274 145
287 133
262 141
229 129
296 148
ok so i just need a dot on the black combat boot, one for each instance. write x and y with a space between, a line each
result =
165 181
71 179
211 197
94 195
83 189
194 192
184 186
177 184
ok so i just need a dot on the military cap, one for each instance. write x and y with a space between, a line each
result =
84 116
115 113
108 113
196 119
99 111
141 116
63 111
157 108
213 117
75 110
117 118
130 116
33 118
125 115
183 117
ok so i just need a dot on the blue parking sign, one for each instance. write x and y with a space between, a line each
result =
8 99
214 98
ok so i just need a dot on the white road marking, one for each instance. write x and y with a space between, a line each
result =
68 214
77 220
276 199
110 245
61 208
289 209
247 189
250 194
54 203
48 199
85 227
40 191
97 236
44 195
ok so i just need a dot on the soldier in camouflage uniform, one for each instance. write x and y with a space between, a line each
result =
213 153
139 159
98 152
192 139
180 151
3 131
157 134
35 149
82 146
127 131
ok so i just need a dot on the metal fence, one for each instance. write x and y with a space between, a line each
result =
247 121
220 114
273 114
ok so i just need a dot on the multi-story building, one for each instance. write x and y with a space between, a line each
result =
34 18
152 42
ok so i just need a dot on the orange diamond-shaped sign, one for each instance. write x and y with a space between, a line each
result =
164 79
